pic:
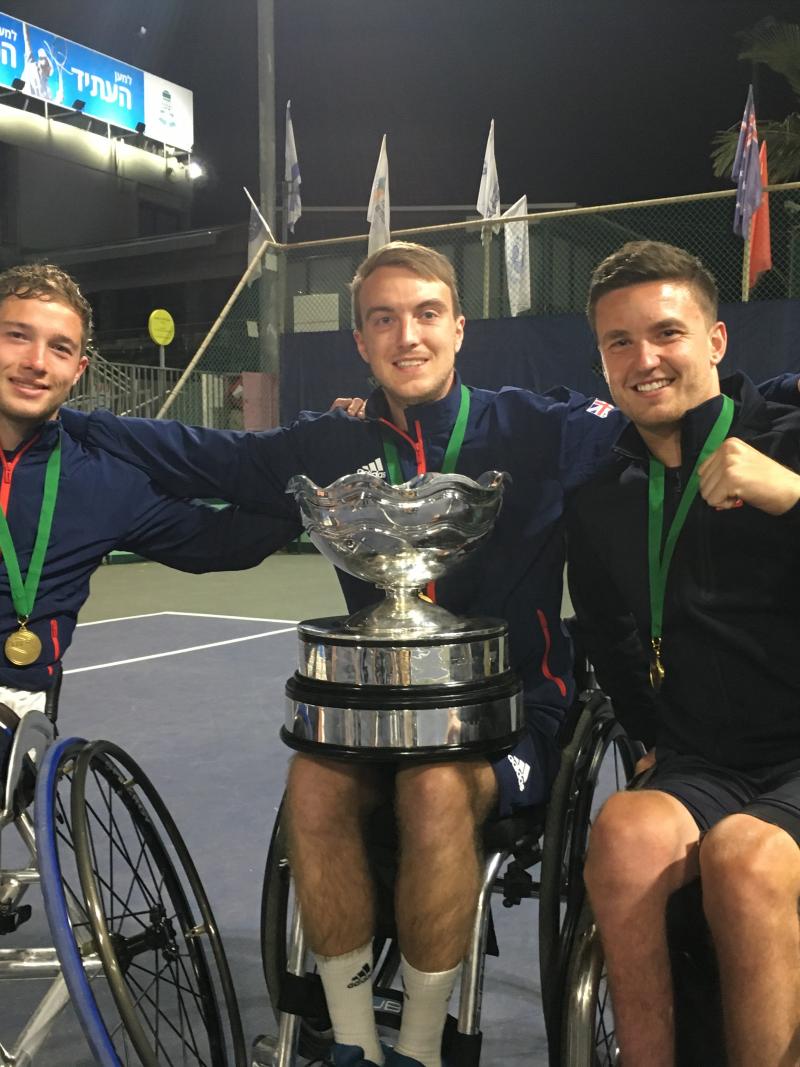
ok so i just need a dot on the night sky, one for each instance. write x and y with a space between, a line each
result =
594 102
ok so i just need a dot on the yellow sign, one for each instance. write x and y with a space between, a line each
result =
161 327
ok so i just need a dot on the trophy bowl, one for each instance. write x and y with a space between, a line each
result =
399 537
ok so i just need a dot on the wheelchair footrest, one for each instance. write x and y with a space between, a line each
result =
303 995
517 885
12 917
460 1050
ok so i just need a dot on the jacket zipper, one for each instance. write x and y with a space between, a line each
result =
418 447
9 466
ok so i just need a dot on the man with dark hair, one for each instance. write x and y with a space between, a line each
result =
683 570
409 329
63 506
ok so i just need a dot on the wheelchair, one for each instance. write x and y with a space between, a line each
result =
135 946
537 854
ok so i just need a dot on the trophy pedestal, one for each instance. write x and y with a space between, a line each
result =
362 694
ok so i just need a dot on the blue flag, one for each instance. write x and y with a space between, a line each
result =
746 171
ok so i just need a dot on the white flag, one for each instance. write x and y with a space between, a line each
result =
518 263
257 232
489 192
293 205
378 210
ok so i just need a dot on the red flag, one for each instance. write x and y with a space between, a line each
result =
760 248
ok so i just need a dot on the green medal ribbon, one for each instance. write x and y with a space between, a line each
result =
452 451
23 594
658 562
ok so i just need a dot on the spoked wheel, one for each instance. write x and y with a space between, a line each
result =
150 920
588 1037
66 911
597 761
277 907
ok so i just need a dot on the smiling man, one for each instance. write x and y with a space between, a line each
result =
684 572
64 507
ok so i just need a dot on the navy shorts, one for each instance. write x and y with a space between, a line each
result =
526 774
710 792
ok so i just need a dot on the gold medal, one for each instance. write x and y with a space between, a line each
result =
22 647
656 666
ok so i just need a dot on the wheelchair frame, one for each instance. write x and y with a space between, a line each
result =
102 928
554 836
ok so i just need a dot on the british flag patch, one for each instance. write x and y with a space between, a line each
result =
600 408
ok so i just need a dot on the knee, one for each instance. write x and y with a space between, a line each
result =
633 843
322 794
748 867
438 804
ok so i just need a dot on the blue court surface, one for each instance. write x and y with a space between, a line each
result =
197 700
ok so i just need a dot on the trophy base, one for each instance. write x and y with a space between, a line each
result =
329 651
426 696
396 722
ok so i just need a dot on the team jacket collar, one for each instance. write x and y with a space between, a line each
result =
433 417
749 409
43 436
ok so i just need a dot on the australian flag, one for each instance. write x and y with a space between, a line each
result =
746 171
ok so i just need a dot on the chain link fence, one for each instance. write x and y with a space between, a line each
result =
304 287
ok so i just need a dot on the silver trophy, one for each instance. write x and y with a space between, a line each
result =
404 677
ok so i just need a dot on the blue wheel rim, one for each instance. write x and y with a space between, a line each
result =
55 905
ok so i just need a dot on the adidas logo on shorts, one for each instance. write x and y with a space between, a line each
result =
375 466
361 977
521 769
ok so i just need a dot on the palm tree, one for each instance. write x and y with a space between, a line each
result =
776 44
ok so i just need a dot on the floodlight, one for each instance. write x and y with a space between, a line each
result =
195 171
18 84
78 105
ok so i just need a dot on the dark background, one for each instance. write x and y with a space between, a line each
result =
594 102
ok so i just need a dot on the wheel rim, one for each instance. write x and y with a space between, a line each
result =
66 912
152 929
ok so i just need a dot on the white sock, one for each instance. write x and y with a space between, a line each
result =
424 1012
347 981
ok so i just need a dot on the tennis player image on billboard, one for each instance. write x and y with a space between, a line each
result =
60 72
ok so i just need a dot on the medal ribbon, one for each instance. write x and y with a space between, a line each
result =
23 594
658 562
452 451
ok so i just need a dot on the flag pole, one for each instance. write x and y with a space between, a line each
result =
487 268
746 264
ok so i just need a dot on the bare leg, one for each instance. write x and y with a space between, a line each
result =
327 802
643 847
751 884
440 808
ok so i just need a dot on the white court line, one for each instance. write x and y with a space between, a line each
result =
126 618
177 651
239 618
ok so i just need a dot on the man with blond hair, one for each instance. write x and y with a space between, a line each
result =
64 507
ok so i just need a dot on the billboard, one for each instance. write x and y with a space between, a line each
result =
56 69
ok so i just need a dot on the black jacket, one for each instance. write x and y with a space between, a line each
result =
732 602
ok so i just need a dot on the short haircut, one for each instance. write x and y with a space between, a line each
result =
44 281
652 261
426 262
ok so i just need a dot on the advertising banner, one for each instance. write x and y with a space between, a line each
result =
60 71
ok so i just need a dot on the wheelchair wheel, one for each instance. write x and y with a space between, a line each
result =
65 910
588 1036
150 920
597 761
277 903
